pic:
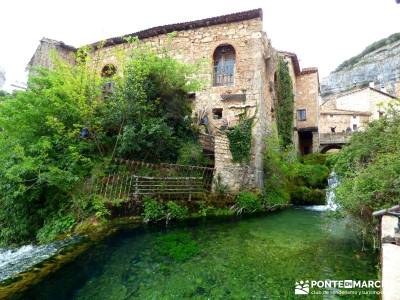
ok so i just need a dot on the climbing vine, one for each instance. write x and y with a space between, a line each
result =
240 139
285 104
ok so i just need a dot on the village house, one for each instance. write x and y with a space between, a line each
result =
240 77
350 111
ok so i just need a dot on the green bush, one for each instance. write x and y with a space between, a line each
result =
369 171
44 159
276 170
174 211
56 226
153 210
247 202
313 176
303 195
191 153
291 179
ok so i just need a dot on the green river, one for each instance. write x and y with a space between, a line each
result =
236 258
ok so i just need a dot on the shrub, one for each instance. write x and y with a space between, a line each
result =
54 227
191 153
276 171
44 158
153 210
174 211
247 202
303 195
314 176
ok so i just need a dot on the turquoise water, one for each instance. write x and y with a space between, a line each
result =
252 258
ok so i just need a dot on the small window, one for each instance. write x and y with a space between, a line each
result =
301 114
108 70
354 127
217 113
224 65
331 116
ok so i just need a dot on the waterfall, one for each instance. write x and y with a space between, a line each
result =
331 204
17 260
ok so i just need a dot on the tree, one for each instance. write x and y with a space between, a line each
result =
285 103
57 133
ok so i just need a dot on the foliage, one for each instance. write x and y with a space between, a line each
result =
303 195
44 161
247 202
368 170
156 211
284 104
374 46
54 227
276 172
148 109
191 153
153 210
3 94
177 246
240 139
42 158
175 211
291 179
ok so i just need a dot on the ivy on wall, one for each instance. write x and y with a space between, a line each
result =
240 139
285 104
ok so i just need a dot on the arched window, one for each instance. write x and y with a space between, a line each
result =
224 65
108 70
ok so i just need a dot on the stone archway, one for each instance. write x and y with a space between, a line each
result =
326 148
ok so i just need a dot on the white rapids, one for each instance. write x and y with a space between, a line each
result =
17 260
331 204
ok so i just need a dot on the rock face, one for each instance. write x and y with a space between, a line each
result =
378 63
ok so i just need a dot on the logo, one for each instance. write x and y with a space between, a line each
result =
302 287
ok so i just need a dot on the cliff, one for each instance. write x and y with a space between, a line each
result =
379 63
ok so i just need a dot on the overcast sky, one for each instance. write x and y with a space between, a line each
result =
322 33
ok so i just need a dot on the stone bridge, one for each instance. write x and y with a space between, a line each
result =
334 140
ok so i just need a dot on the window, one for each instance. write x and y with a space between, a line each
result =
217 113
224 65
108 70
354 127
301 114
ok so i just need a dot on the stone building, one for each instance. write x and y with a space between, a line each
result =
346 112
307 98
240 78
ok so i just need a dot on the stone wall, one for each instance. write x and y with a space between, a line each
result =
307 97
341 121
42 56
251 79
